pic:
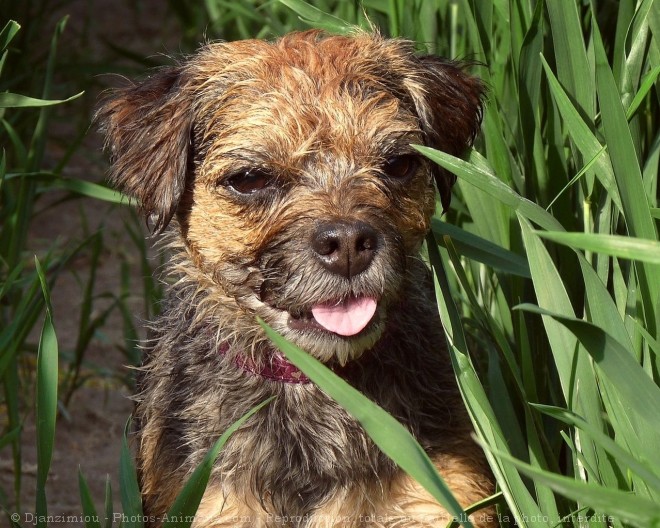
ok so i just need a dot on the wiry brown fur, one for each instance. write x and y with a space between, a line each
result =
321 115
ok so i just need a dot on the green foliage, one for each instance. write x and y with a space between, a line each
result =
24 181
569 144
547 267
21 299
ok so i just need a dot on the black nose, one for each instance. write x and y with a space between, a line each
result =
345 248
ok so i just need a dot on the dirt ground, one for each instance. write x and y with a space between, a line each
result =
89 431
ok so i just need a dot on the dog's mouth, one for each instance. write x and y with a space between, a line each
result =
347 318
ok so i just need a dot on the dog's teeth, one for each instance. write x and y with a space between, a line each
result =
346 318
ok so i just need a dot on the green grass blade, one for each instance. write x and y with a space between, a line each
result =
12 100
496 498
636 44
517 495
645 87
9 437
576 374
492 185
629 508
529 89
85 188
182 512
482 250
583 136
317 18
635 387
570 53
584 170
19 149
46 412
653 344
10 279
131 500
551 293
109 509
8 33
38 141
566 416
89 510
481 412
629 179
479 408
622 150
615 245
388 434
449 316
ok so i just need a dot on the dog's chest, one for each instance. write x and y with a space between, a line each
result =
299 451
297 472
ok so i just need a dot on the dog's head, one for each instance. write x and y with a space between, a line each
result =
290 170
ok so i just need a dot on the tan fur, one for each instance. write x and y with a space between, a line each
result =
325 124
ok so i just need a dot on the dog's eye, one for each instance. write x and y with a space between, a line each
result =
401 167
250 181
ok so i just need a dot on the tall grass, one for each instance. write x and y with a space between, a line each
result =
26 177
21 300
547 267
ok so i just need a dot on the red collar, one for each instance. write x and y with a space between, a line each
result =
277 368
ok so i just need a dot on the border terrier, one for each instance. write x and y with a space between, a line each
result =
286 175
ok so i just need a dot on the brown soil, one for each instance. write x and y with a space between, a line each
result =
89 430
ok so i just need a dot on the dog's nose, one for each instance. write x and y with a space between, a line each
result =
345 248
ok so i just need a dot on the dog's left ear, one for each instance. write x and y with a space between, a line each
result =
148 133
449 103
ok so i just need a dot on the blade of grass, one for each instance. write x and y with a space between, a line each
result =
507 421
89 510
9 437
615 245
618 365
496 498
482 250
12 100
636 45
566 416
529 89
19 149
39 135
653 344
317 18
583 136
84 188
492 185
46 411
628 175
131 500
575 372
573 66
8 33
622 150
109 510
645 87
640 512
576 178
636 435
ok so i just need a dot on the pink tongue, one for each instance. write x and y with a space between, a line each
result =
347 318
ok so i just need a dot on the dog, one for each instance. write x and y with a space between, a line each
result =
282 177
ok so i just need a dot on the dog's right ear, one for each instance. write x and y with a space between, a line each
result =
147 130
